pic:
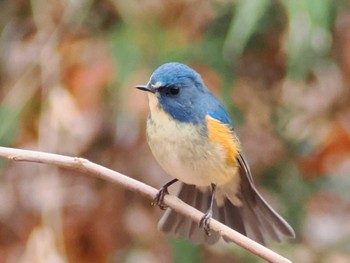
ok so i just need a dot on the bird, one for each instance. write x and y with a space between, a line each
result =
191 136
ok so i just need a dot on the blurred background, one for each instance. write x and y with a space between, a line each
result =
67 76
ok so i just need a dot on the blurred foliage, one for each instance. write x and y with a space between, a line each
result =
67 72
248 13
185 251
309 37
9 124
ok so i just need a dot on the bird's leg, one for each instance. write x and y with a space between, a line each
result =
158 200
208 215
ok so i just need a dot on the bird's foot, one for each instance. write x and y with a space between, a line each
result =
158 200
205 221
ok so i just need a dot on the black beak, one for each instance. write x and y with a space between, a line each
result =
146 88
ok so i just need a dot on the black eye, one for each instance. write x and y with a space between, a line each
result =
173 90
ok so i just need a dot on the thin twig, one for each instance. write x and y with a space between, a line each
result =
86 167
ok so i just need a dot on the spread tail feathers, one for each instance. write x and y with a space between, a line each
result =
254 218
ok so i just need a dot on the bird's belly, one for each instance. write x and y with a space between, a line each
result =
186 154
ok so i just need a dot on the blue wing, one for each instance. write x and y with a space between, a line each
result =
219 113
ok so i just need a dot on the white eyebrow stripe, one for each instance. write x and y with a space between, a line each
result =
157 85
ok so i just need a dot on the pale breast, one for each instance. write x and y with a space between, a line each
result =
185 153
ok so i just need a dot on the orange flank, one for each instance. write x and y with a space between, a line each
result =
222 134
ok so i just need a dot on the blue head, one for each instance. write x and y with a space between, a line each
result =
182 94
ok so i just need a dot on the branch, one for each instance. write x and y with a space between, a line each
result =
86 167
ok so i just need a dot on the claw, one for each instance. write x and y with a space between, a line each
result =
205 222
158 200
